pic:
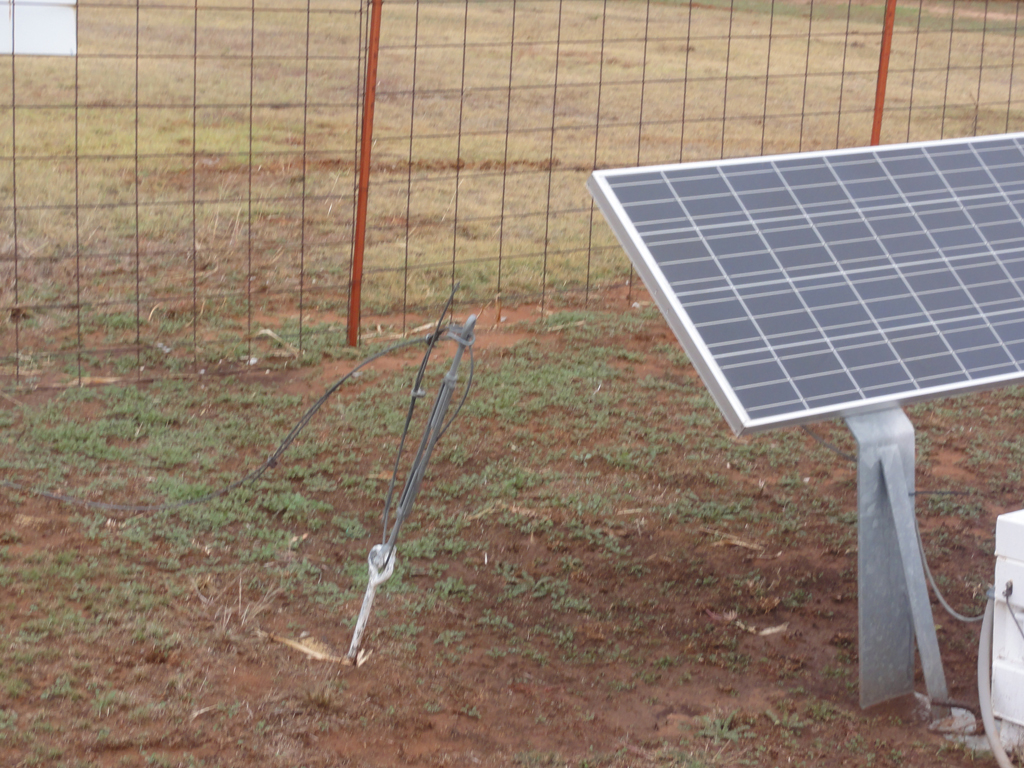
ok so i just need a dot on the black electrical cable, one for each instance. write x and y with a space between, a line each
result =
255 474
829 445
416 394
465 395
1006 594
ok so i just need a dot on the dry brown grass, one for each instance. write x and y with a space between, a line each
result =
163 215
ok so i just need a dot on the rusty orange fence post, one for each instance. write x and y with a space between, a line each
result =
366 144
883 70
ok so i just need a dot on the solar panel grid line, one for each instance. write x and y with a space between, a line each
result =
920 304
830 283
764 339
824 241
1002 270
803 305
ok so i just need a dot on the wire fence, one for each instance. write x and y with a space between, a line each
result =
180 195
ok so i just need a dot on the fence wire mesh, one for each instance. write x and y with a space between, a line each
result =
180 195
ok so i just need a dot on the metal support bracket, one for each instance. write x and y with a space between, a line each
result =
382 565
892 594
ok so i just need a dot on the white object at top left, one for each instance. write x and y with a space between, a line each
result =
38 28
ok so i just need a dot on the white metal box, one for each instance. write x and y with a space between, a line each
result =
1008 634
39 27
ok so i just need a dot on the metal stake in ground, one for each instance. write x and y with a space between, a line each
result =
382 557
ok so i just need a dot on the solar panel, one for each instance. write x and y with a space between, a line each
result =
827 284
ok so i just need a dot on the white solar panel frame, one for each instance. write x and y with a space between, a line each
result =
600 187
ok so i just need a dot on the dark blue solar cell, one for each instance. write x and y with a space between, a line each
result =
901 164
978 359
691 270
833 296
746 358
841 206
874 193
909 245
858 169
697 287
887 391
842 215
778 201
1015 268
862 252
735 245
757 414
754 373
1012 176
715 311
1000 155
827 400
651 190
943 381
635 177
946 159
854 230
841 333
733 346
808 365
978 274
787 350
767 395
1010 332
826 385
880 375
920 346
697 171
788 323
811 257
1009 250
970 182
997 296
883 288
745 180
643 212
932 280
926 367
991 210
966 319
763 305
952 238
819 197
906 309
916 186
727 332
996 370
838 317
814 173
869 355
791 238
691 189
954 298
709 207
685 250
1016 350
971 339
1011 231
883 223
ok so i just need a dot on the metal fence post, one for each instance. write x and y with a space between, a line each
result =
883 70
356 286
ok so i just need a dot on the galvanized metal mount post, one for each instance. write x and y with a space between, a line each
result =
892 594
